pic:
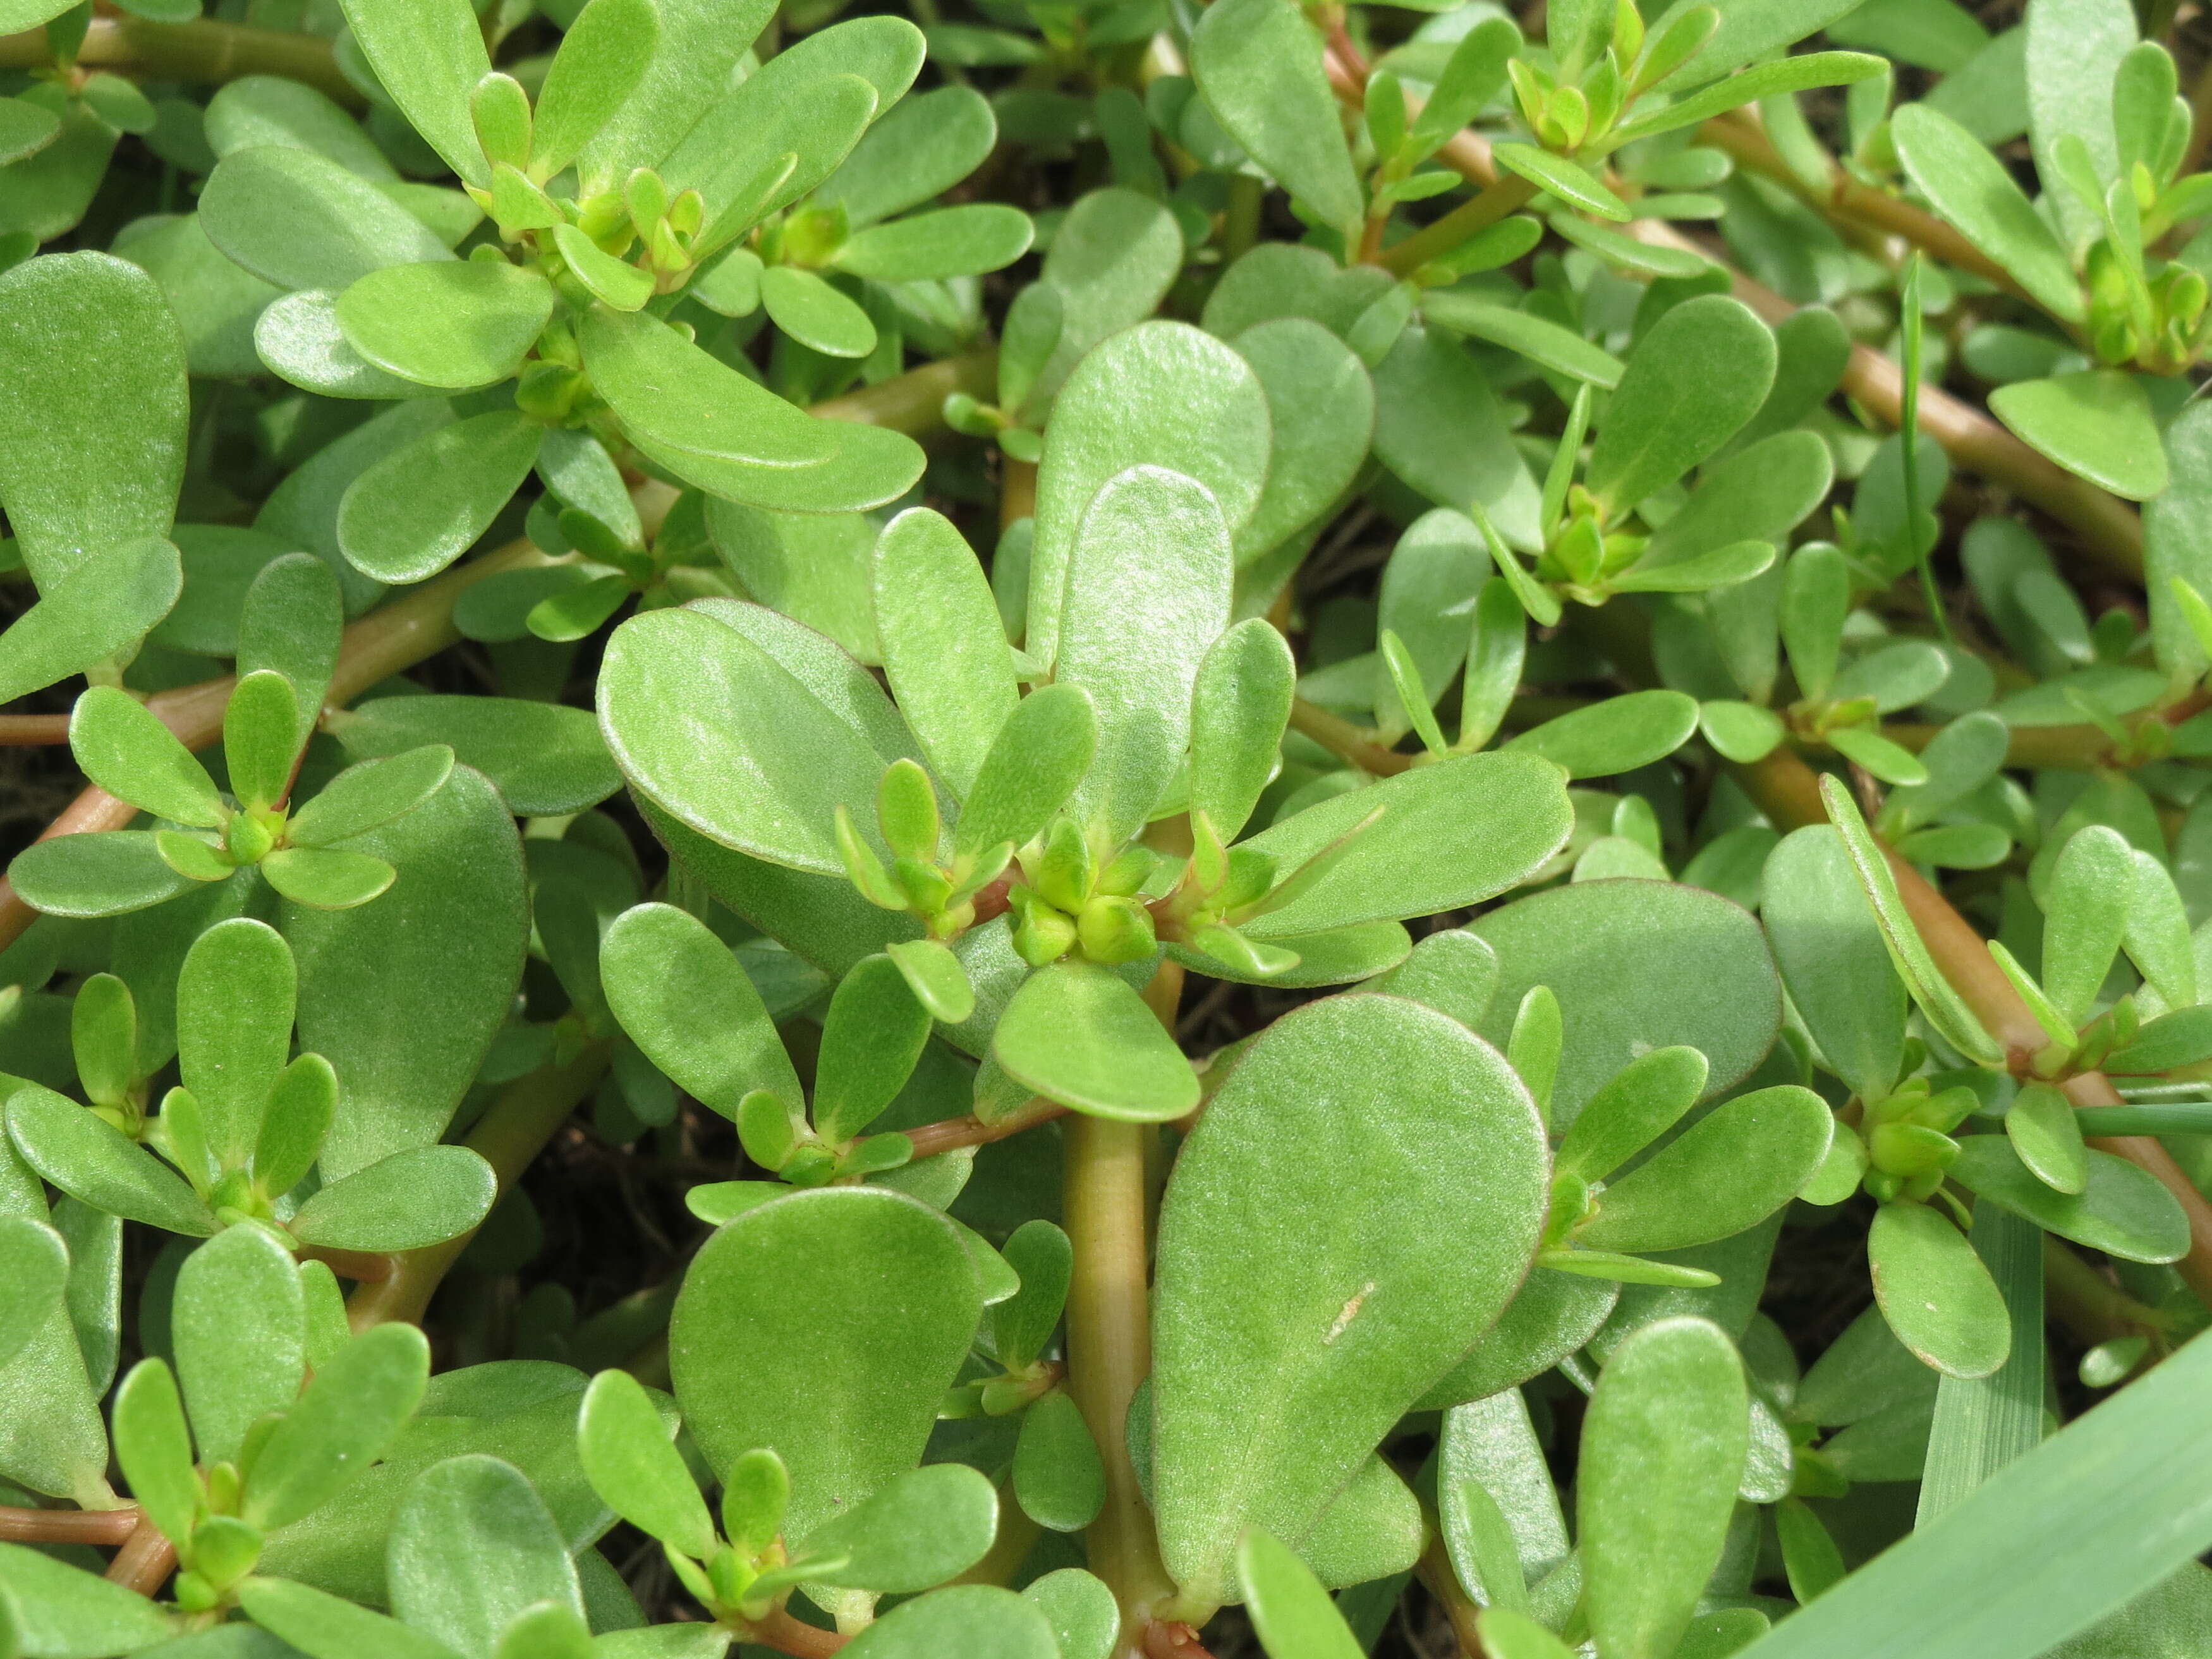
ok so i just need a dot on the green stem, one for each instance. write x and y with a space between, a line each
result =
1496 199
513 1131
1109 1341
204 50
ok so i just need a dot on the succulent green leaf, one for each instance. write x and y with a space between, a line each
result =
329 1626
472 1548
1078 1035
1283 1356
685 1000
404 996
1643 1101
1942 1005
977 1621
124 748
1295 1617
712 427
349 1415
1160 395
92 409
237 1325
2097 423
1320 405
1035 759
1726 1172
919 148
1449 836
57 1608
2121 1210
1663 1447
872 1036
1615 954
102 873
914 1532
412 1199
303 220
945 650
415 512
1258 65
453 325
1148 593
429 55
1972 189
1695 378
848 1397
89 1159
1935 1292
36 1272
1830 950
966 240
605 53
1615 736
100 608
625 1451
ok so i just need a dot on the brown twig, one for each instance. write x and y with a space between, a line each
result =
104 1527
786 1634
146 1559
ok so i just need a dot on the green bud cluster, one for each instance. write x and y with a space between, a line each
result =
1908 1140
1071 901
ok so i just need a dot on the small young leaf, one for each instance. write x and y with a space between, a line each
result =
155 1449
237 1324
625 1449
2043 1130
605 53
1240 704
2121 1210
1693 380
350 1413
1294 1614
260 738
684 1000
872 1037
403 1202
1640 1102
945 650
1936 1292
1078 1035
124 748
91 1160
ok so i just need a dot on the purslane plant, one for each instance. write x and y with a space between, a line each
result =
1348 912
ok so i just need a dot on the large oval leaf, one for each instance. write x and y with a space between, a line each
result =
732 742
1449 836
402 995
92 408
1616 955
1662 1449
847 1395
1284 1352
1159 394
